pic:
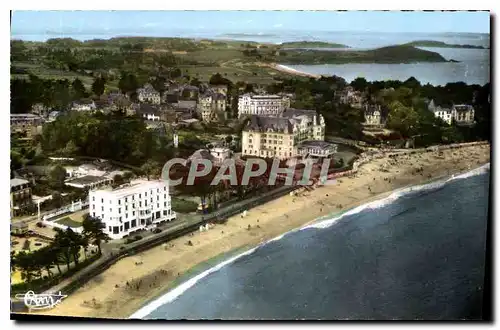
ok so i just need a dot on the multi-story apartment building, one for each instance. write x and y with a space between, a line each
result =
148 94
282 136
20 195
210 104
131 208
262 105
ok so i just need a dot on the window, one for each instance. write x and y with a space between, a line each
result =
165 196
121 228
110 209
146 194
126 199
93 198
126 225
165 204
119 202
126 208
93 214
115 230
133 213
102 200
119 210
93 206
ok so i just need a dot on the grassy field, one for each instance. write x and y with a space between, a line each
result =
200 59
48 73
67 221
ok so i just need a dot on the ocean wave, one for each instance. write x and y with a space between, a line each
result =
398 194
176 292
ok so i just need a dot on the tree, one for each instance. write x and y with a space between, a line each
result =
28 265
403 119
128 83
56 200
98 86
93 229
64 245
79 91
76 242
118 180
359 84
57 177
151 168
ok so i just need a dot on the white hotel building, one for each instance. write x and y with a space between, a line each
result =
131 208
262 105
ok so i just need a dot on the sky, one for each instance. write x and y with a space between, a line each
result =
39 23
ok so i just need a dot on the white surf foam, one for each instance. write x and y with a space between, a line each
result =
397 194
173 294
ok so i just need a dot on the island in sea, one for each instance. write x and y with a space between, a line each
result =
386 55
441 44
312 44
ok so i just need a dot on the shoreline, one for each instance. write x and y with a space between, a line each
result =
287 69
228 257
125 288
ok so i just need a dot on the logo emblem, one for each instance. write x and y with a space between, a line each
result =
41 301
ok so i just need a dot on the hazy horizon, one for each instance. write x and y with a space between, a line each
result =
61 24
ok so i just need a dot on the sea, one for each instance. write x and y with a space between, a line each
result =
473 66
418 254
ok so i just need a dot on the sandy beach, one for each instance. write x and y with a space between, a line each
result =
286 69
125 286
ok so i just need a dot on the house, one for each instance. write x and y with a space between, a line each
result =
351 97
372 115
188 92
444 113
40 109
210 104
26 123
137 206
463 114
201 154
149 111
220 154
220 89
53 116
148 94
262 105
282 136
20 195
83 105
